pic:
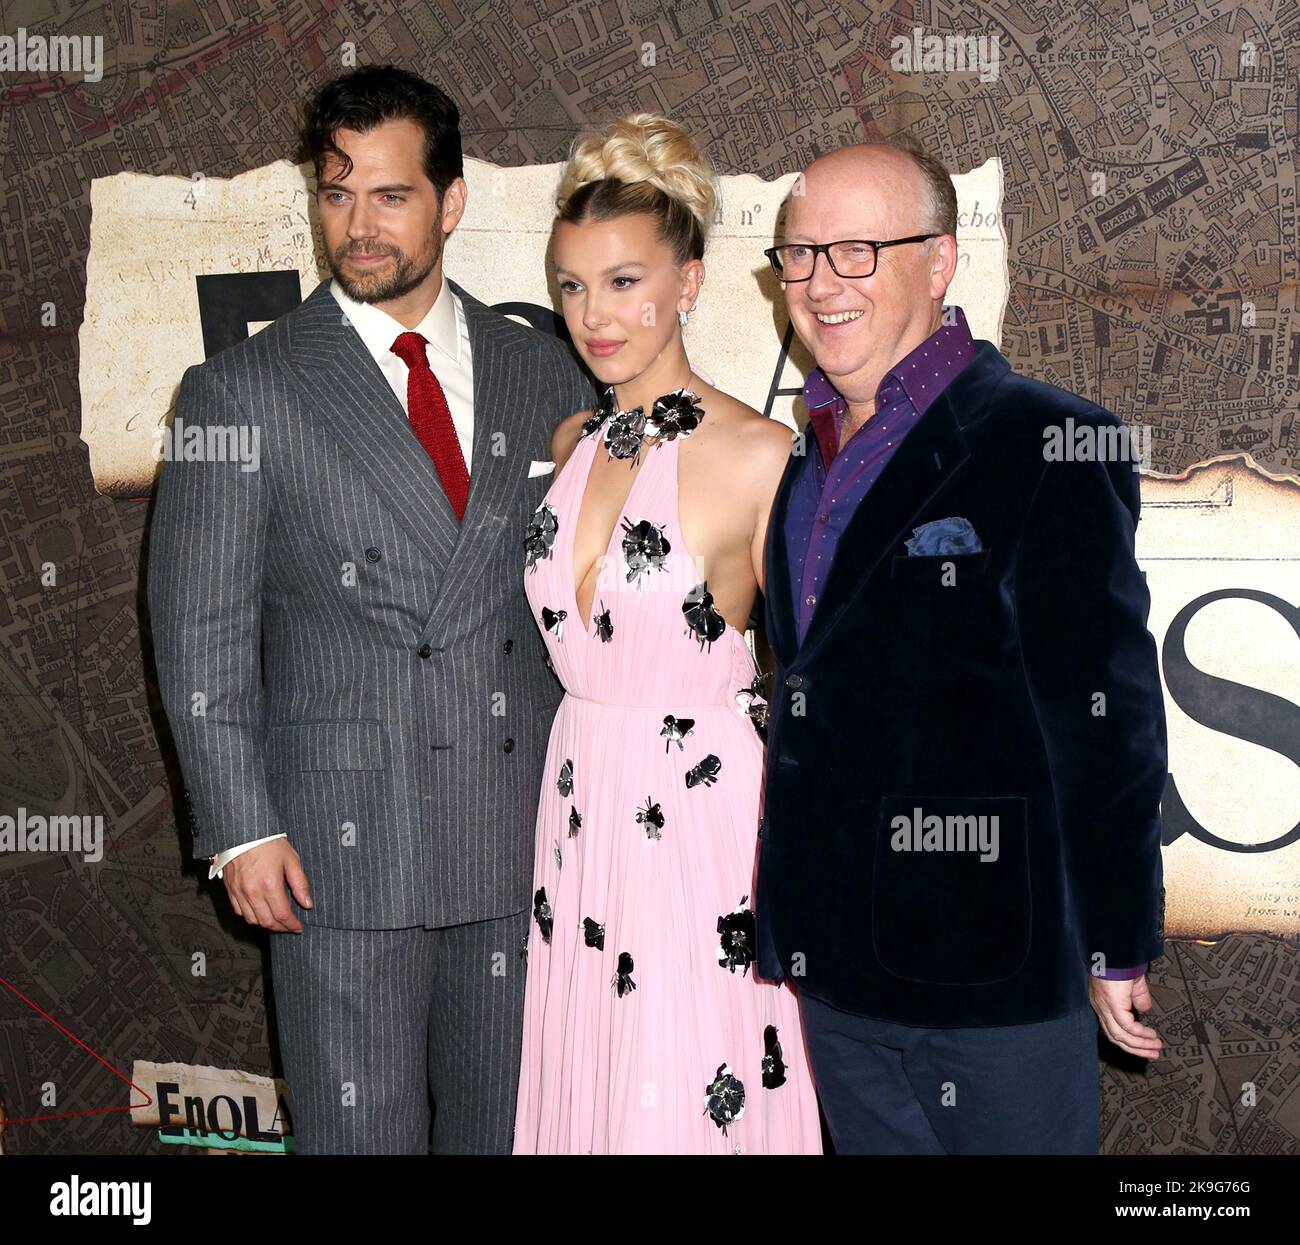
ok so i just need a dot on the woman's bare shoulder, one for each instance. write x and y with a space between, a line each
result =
762 444
768 444
749 456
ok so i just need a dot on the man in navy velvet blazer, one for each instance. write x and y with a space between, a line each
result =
959 867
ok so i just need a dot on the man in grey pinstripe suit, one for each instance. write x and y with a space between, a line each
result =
357 690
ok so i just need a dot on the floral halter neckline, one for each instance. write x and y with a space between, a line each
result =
675 414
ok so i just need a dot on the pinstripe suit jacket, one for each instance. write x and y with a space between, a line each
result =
339 658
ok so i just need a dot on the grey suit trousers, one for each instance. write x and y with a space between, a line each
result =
365 1015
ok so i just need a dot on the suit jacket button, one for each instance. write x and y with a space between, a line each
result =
508 746
509 644
425 650
794 680
373 555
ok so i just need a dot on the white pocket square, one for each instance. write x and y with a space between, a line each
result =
540 467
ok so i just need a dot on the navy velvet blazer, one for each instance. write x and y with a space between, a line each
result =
1018 682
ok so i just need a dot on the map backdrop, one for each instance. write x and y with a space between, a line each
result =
1147 159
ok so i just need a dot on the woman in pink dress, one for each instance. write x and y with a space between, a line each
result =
645 1029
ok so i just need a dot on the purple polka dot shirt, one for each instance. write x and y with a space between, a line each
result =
825 497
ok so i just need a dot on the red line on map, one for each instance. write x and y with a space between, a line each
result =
67 1115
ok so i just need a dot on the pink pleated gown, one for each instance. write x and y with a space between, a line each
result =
645 1030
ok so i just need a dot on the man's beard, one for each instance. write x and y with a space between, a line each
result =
400 278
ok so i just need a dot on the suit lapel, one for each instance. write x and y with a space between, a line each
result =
931 452
494 479
355 401
352 397
920 466
778 597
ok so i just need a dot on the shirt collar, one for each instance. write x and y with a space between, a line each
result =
955 337
378 330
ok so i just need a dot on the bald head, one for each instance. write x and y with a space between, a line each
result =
887 181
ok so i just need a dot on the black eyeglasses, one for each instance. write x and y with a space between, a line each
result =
853 257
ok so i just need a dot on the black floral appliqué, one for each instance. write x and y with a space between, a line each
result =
724 1098
702 619
553 620
773 1064
625 433
737 939
540 535
705 772
652 818
565 780
604 628
604 408
645 547
542 914
593 934
676 414
623 982
675 730
575 823
750 701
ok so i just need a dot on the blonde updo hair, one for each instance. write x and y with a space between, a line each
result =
642 163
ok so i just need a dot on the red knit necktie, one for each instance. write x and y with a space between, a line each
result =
430 417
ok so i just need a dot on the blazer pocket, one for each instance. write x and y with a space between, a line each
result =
330 745
951 899
933 568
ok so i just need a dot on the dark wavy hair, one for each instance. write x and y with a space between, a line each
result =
364 98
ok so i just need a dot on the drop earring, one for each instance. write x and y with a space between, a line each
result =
682 317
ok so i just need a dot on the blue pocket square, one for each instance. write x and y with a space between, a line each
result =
942 536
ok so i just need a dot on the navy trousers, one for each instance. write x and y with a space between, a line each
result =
1008 1089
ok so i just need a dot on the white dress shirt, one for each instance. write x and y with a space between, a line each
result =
448 351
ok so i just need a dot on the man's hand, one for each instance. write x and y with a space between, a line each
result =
255 881
1114 1003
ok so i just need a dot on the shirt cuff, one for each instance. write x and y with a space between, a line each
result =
1123 974
224 858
